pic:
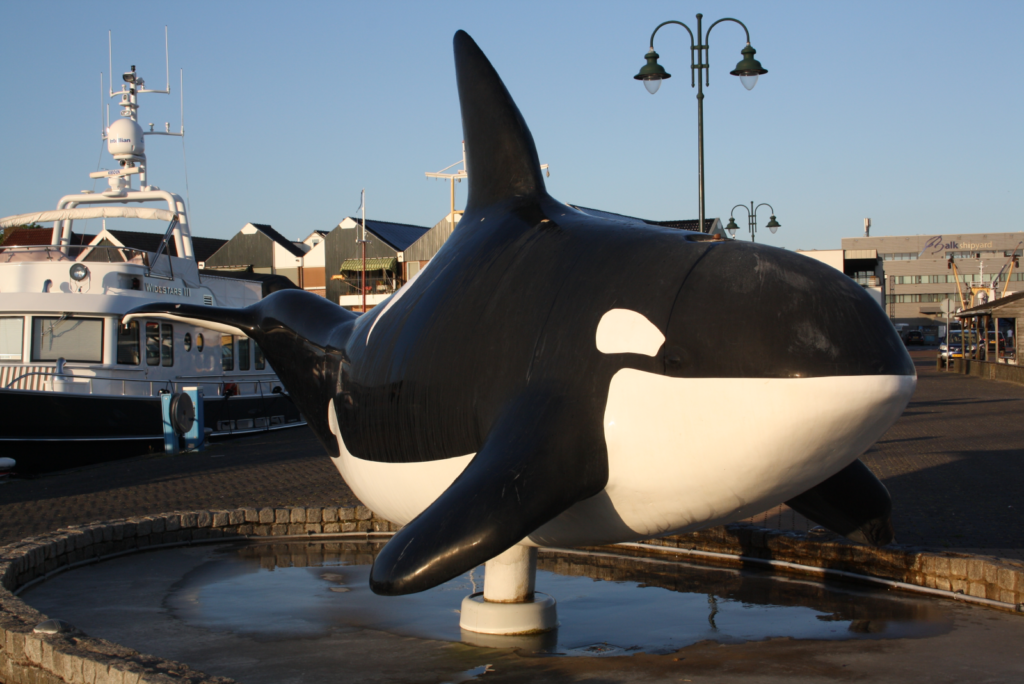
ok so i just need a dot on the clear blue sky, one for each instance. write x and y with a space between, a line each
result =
905 112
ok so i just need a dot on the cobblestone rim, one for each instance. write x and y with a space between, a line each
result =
71 657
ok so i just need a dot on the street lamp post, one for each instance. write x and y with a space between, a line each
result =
652 74
773 225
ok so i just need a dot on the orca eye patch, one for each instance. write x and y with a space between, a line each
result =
622 331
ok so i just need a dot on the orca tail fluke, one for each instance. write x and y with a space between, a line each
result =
301 334
225 320
501 157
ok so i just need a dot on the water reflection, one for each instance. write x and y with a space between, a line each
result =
606 605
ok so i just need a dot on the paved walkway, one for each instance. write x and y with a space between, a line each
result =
954 464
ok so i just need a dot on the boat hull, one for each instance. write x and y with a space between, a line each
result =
52 430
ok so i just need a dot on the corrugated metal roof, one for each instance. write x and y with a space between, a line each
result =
397 235
860 254
375 264
150 242
994 304
277 237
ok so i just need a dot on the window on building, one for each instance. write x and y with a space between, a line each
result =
261 361
128 352
899 256
243 353
73 339
166 344
865 277
152 344
12 332
227 352
915 298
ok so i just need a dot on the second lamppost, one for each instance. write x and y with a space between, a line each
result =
652 74
773 225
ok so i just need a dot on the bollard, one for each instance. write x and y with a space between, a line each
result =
170 436
196 435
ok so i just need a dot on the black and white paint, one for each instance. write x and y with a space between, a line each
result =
552 378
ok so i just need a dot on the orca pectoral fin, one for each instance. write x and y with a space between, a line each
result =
535 463
852 503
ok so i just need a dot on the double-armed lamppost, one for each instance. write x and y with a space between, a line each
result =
773 225
653 73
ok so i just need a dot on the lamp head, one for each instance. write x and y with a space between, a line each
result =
652 73
748 68
732 227
773 225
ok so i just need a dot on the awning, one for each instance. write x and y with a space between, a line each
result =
87 213
374 264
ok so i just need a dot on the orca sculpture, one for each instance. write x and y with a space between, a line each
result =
553 378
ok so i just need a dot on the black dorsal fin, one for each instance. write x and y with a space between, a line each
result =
501 159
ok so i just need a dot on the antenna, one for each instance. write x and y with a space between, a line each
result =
103 130
167 70
110 65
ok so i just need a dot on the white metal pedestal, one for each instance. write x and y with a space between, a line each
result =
508 604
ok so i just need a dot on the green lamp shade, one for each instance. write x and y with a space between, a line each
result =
748 68
732 227
652 73
773 224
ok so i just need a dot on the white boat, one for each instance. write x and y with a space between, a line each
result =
70 373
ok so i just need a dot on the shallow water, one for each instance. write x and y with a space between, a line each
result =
276 592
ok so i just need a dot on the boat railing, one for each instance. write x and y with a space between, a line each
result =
97 253
219 386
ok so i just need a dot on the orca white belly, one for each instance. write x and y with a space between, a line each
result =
395 491
688 453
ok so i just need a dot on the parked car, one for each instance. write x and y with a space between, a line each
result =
914 337
951 347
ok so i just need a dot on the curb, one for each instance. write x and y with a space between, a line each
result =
70 657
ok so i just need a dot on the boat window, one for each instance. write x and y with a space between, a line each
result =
166 344
128 352
73 339
199 342
243 353
152 344
227 352
12 331
261 361
188 341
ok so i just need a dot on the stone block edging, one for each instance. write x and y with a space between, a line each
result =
27 657
985 577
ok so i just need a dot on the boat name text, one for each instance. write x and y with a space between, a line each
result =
165 290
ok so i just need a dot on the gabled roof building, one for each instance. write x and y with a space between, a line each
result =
343 260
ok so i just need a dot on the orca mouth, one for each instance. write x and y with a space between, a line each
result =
753 311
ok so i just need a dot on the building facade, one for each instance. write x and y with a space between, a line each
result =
918 272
